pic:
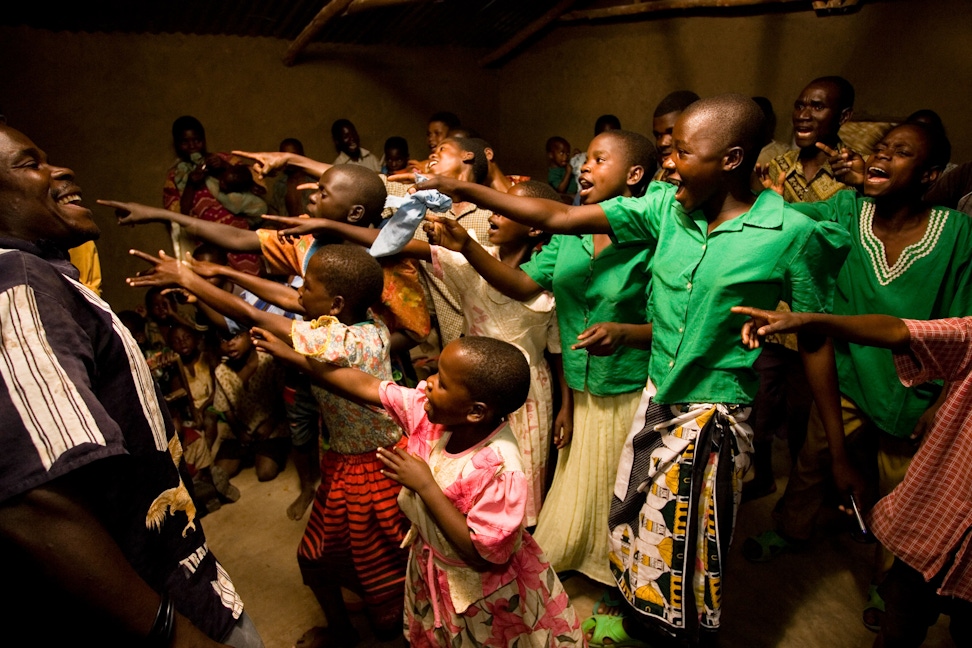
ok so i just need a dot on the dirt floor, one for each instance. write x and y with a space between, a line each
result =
808 600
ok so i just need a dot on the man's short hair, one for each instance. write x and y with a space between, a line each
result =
675 102
845 91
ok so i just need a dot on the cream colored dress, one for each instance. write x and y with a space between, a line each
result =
530 325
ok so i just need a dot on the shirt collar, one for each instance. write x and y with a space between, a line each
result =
46 250
765 213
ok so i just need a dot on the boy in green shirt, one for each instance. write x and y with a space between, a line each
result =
679 481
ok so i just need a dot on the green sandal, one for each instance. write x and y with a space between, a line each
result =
601 627
610 600
765 547
873 610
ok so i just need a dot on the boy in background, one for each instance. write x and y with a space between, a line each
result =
560 175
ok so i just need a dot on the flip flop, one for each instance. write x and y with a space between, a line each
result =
873 613
765 547
610 627
610 599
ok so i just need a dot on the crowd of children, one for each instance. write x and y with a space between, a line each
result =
595 318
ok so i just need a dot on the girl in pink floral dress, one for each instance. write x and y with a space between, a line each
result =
475 576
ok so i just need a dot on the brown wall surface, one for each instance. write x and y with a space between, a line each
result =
104 104
900 56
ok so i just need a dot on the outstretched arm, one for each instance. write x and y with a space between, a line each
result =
267 163
364 236
353 384
549 215
870 330
512 282
167 271
271 291
225 236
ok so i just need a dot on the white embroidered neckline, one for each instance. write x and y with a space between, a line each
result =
918 250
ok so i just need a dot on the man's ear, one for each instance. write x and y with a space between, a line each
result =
477 412
845 116
337 305
635 174
468 156
489 153
733 158
356 213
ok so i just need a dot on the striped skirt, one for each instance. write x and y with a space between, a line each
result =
355 532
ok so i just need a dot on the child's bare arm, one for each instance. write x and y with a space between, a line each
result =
870 330
411 472
604 338
565 181
512 282
225 236
271 291
564 422
266 163
353 384
364 236
549 215
167 271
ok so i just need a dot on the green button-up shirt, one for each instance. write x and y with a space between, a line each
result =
768 254
611 287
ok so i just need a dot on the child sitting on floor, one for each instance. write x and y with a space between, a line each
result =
475 576
354 533
252 423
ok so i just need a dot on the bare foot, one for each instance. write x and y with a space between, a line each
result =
299 506
319 637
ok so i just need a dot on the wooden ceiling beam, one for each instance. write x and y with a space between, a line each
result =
521 36
651 6
329 12
365 5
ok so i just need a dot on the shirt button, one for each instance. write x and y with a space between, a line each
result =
704 246
671 364
689 286
681 330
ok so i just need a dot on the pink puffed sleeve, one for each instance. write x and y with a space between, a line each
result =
407 408
495 518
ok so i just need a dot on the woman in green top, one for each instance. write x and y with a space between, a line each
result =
602 292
